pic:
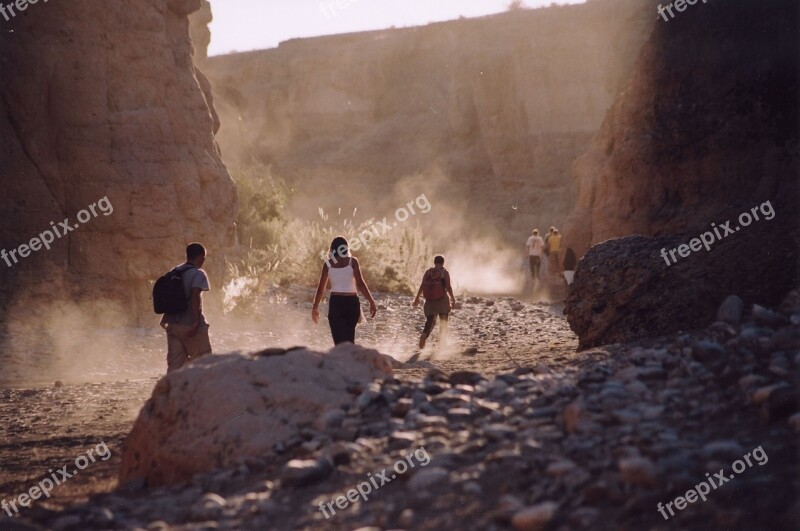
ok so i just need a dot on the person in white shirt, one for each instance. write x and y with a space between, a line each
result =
534 247
344 307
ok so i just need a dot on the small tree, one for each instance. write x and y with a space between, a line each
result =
515 5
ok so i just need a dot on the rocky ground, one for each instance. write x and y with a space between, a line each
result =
521 432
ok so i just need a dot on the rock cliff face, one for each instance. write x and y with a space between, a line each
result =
707 127
101 99
500 106
705 132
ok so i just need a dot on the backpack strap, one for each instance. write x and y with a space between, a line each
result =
180 272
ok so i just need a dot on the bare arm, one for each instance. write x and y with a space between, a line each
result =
323 281
449 288
363 288
419 293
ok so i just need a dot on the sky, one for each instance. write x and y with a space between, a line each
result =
242 25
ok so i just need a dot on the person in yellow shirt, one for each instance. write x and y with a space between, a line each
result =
554 243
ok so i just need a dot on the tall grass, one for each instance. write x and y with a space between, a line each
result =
278 251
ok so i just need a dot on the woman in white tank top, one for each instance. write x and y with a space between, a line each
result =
344 307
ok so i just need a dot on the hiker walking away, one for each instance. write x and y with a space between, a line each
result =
570 262
555 246
535 247
186 326
435 288
546 252
344 307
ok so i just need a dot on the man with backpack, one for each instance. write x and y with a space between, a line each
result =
178 295
435 288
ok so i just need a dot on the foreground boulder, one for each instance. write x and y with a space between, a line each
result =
222 409
624 290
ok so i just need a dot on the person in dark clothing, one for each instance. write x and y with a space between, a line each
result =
344 307
570 262
435 287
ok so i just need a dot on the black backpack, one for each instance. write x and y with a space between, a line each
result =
168 294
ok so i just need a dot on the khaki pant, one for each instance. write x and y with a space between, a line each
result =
181 349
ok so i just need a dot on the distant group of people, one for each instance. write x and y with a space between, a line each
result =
177 295
544 257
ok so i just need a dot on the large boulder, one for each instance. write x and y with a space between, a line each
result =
222 409
624 290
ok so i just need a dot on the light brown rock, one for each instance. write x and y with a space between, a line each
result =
534 518
222 409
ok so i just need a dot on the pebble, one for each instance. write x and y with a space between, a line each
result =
534 518
723 449
427 478
765 317
299 472
730 311
209 507
560 468
638 471
794 422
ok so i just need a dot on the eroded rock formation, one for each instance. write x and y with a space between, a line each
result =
706 127
499 105
101 99
194 424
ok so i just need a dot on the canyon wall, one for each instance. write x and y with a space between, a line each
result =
706 128
488 112
101 99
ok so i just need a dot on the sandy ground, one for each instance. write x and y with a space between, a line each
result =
44 427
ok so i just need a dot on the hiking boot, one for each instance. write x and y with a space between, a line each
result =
422 340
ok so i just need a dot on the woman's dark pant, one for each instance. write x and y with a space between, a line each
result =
343 314
430 322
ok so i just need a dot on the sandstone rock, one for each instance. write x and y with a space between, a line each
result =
127 120
220 409
624 291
